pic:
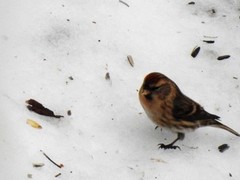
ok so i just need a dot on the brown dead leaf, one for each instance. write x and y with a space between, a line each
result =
38 108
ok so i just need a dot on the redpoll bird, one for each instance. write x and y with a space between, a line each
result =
168 107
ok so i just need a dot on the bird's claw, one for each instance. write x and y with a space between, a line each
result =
168 146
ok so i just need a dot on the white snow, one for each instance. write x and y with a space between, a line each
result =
108 136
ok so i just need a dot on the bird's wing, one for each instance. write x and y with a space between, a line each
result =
188 110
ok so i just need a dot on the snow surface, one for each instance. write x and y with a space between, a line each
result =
108 136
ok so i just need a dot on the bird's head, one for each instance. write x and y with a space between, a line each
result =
155 85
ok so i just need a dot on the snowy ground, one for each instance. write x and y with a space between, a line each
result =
108 136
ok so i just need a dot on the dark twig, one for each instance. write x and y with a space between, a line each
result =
60 166
124 3
59 174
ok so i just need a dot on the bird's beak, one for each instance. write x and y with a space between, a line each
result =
145 92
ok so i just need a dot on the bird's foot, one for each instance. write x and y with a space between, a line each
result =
168 146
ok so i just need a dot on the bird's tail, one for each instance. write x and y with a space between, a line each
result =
217 124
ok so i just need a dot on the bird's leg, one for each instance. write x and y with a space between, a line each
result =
171 145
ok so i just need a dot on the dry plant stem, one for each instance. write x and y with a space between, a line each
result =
60 166
59 174
130 60
124 3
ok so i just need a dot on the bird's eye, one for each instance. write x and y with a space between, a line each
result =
151 88
154 88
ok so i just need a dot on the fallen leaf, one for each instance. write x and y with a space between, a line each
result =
38 108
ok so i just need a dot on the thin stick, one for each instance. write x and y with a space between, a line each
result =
60 166
59 174
124 3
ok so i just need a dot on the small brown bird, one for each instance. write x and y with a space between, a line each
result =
168 107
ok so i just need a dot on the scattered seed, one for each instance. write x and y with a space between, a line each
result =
223 147
59 174
230 174
130 60
235 78
212 11
69 112
191 3
34 124
208 41
29 176
71 78
195 51
223 57
107 76
214 37
157 160
38 165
